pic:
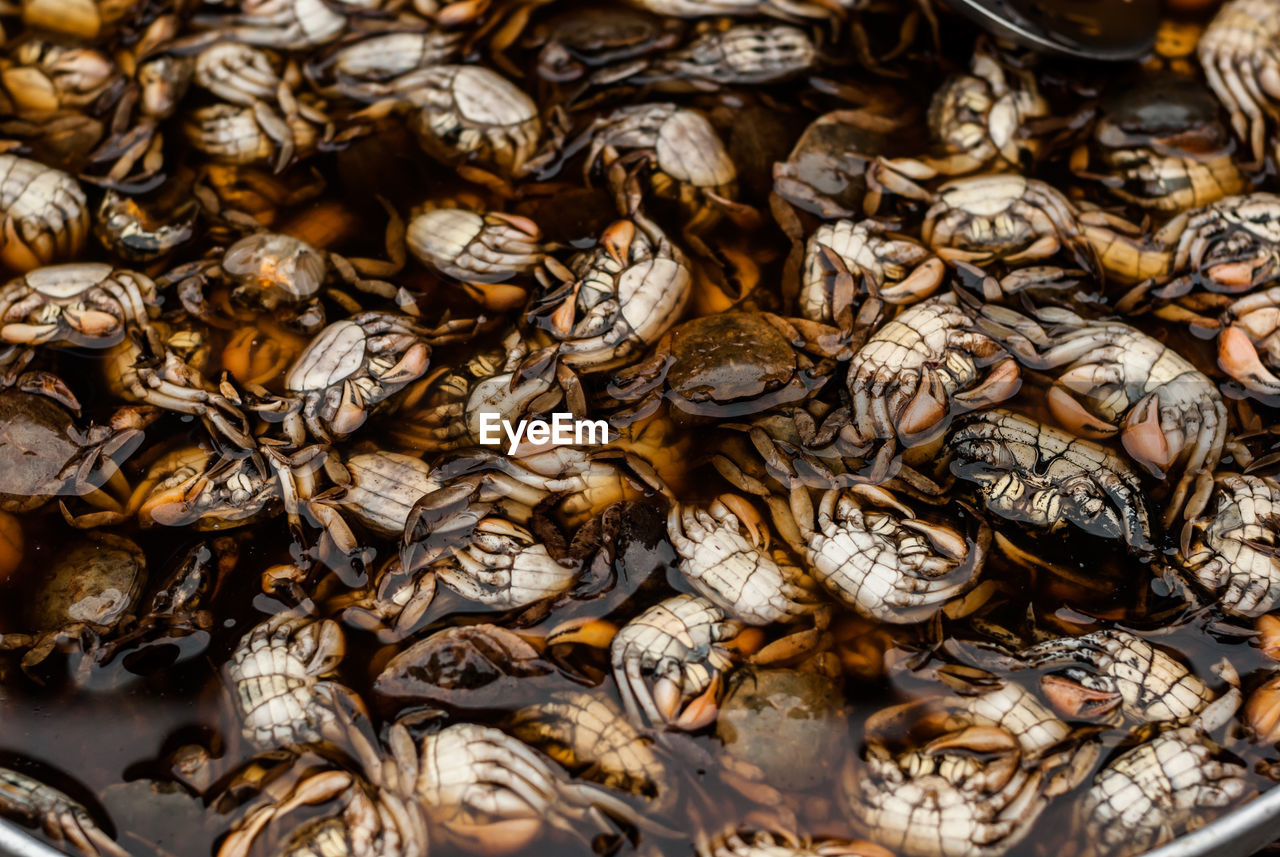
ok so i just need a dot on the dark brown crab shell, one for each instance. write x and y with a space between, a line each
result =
96 581
732 364
38 439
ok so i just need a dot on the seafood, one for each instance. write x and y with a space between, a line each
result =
893 268
1046 477
978 120
465 113
44 216
678 642
870 551
82 304
92 589
686 158
957 796
586 732
724 553
483 250
1150 793
1160 145
611 302
1238 52
740 54
920 367
281 678
1226 246
731 364
62 819
1230 552
1172 414
353 367
1117 671
487 789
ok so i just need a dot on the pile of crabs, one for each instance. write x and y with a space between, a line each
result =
936 506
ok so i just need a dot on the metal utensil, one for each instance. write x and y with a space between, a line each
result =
1106 30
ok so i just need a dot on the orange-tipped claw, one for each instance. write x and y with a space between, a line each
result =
1144 439
1003 381
1235 276
925 410
1239 358
1073 417
617 239
1073 700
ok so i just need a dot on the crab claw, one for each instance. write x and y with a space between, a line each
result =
926 410
616 240
1239 358
944 539
748 517
1145 440
1002 382
1073 700
701 710
1073 417
1234 276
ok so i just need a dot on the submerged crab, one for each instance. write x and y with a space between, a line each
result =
679 642
44 454
353 368
1046 477
1119 380
732 364
870 551
1240 55
84 304
1232 551
89 591
64 821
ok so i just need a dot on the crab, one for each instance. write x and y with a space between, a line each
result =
282 275
353 368
44 454
85 304
91 588
732 364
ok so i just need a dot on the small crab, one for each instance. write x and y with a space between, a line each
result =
611 301
892 268
64 821
281 679
280 274
1177 780
685 156
44 216
679 642
725 555
732 364
1160 144
978 120
353 368
483 250
1116 671
1047 477
919 369
1240 55
377 65
1119 380
1232 550
471 116
90 590
44 454
84 304
871 552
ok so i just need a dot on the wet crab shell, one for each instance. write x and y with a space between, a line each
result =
275 267
727 358
337 353
96 581
43 214
37 442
